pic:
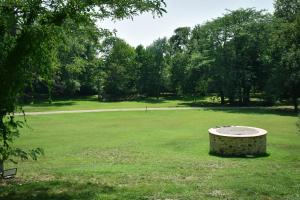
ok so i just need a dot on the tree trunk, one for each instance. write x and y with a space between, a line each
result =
3 138
231 100
246 97
295 102
49 94
241 96
222 98
1 165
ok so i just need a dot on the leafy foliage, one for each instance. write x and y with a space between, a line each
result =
9 129
120 69
285 78
31 32
241 53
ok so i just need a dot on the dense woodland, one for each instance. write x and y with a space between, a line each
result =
244 53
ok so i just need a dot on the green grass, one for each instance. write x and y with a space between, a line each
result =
89 103
154 155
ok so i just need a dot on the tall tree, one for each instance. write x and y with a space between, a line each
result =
143 59
28 33
152 65
179 58
233 45
77 55
179 41
121 70
285 79
287 9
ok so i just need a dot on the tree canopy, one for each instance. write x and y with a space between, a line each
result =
31 32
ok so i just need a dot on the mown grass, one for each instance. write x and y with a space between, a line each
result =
89 103
154 155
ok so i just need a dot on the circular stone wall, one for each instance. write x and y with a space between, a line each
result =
237 141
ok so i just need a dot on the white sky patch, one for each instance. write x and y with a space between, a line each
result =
144 29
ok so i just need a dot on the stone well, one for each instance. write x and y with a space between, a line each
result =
237 141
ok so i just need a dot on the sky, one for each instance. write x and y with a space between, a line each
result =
144 29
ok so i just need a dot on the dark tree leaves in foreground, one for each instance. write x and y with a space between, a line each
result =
29 35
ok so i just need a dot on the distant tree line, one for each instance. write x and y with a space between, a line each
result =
242 53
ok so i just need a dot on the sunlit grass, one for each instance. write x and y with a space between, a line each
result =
89 103
154 155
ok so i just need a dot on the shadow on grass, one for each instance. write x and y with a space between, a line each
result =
55 104
255 110
52 190
241 156
190 101
151 100
199 104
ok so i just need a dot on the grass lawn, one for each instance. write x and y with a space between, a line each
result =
154 155
89 103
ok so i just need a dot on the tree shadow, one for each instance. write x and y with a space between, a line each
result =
189 100
204 102
255 110
52 190
59 101
264 155
200 104
55 104
150 100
